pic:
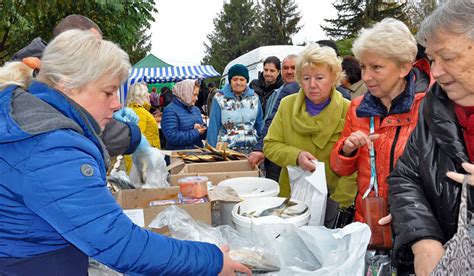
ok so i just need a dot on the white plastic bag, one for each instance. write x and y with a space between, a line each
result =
316 250
340 251
149 169
311 188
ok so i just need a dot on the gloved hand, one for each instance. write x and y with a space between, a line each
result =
144 144
126 115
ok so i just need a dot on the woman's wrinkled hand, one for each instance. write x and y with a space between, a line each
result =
459 177
230 267
427 253
305 161
356 140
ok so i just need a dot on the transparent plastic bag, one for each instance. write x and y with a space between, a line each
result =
149 169
98 269
119 180
183 227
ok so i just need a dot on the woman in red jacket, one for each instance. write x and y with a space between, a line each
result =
396 87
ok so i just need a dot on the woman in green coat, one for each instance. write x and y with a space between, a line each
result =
309 123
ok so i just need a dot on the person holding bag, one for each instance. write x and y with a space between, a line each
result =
379 123
425 202
308 123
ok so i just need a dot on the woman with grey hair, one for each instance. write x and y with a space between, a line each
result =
55 208
424 194
308 123
383 118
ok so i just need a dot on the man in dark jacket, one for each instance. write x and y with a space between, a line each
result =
272 170
120 136
268 81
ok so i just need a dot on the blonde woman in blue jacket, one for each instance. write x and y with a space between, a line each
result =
55 208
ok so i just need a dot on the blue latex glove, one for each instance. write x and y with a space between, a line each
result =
126 115
144 144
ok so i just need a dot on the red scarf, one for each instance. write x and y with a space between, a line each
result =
465 115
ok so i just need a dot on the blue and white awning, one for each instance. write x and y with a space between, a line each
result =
166 74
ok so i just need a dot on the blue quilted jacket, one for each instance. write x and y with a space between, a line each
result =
177 125
53 193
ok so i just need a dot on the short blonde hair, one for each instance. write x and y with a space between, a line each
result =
75 58
15 73
138 94
389 38
315 55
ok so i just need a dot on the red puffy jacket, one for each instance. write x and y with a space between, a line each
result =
394 129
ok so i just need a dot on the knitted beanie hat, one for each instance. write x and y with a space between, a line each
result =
238 70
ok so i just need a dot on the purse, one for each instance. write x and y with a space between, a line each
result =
375 208
458 258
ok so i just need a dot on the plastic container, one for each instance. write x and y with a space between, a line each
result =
193 186
246 188
244 224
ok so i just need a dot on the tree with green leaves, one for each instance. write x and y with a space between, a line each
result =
354 15
233 35
278 22
417 10
123 22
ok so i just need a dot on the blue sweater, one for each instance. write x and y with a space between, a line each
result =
53 193
235 120
177 125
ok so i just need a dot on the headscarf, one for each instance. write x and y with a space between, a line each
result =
184 91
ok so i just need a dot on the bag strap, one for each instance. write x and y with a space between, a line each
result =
373 173
462 217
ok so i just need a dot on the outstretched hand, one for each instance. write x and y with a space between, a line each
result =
255 158
230 267
459 177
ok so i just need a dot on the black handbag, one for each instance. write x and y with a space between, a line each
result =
336 217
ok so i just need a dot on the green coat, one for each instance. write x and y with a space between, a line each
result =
293 130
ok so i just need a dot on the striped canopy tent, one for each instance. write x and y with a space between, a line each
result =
166 74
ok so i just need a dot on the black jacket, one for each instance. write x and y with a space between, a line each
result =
424 202
263 91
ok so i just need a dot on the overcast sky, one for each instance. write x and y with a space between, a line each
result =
181 27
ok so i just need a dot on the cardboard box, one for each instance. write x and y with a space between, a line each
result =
215 171
135 200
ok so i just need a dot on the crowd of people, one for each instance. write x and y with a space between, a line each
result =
389 122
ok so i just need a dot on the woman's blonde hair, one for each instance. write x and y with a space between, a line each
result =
389 38
138 94
316 55
15 73
76 57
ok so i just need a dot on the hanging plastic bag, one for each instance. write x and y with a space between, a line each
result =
149 169
310 188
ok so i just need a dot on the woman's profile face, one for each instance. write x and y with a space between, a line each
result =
317 83
238 84
195 95
99 98
452 57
